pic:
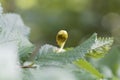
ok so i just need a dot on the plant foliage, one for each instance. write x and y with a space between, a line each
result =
71 63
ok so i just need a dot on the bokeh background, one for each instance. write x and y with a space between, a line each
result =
81 18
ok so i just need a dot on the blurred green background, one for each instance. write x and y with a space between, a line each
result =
81 18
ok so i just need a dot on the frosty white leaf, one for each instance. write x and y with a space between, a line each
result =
16 23
48 73
45 49
100 47
9 63
42 57
13 29
101 42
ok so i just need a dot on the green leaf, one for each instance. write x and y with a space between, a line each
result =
92 47
88 67
100 47
48 53
97 47
48 56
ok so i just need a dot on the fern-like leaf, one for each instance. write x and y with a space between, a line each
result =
48 56
47 52
93 47
100 47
